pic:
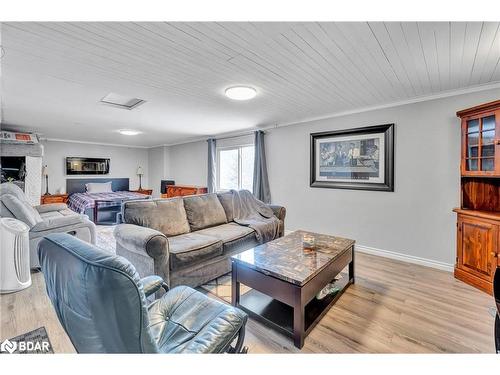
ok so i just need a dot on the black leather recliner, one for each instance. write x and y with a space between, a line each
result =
101 303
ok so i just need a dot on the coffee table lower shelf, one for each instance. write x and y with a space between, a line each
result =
279 316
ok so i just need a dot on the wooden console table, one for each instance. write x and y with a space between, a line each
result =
182 190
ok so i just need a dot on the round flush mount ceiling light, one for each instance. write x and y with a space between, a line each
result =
241 92
129 132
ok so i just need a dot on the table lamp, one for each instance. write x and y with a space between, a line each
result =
45 173
140 173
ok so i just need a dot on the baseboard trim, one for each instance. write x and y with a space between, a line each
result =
405 258
402 257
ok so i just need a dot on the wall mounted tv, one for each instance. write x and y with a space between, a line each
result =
75 165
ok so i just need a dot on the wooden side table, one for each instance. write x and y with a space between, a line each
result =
143 191
53 198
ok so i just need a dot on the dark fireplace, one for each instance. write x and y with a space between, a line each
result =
13 169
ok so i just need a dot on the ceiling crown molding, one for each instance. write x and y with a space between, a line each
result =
92 143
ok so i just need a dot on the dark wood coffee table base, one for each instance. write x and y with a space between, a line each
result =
286 307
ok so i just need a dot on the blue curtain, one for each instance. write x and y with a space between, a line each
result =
211 183
261 189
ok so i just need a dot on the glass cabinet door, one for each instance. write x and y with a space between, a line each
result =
480 144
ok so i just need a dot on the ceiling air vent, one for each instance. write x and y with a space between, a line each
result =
121 101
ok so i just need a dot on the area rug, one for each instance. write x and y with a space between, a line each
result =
32 342
221 287
105 238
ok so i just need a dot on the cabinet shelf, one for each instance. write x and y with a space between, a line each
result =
478 213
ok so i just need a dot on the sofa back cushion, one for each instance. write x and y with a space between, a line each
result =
167 216
204 211
226 199
13 189
21 210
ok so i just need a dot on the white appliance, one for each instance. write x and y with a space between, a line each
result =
14 256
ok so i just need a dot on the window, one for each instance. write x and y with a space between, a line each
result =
235 167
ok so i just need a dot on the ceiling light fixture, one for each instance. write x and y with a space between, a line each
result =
129 132
241 92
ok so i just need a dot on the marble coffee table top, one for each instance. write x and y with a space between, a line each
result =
286 259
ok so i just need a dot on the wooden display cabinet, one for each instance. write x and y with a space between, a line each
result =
478 218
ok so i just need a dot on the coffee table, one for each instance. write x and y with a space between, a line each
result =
285 279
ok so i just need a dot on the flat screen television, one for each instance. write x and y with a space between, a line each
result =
77 165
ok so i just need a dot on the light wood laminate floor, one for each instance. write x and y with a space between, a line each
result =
394 307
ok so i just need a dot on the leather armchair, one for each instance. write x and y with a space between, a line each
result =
43 219
101 303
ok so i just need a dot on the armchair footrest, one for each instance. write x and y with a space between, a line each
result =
194 323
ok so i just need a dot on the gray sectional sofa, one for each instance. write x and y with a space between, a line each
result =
43 219
185 240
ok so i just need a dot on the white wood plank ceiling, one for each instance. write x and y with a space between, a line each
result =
54 74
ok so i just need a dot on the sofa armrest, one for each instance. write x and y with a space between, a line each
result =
278 211
141 239
51 207
55 223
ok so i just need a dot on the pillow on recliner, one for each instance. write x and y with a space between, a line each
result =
21 210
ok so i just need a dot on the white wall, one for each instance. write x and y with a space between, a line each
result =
415 220
124 162
188 163
159 167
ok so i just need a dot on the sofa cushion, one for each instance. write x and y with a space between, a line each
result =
204 211
190 248
58 213
227 232
186 321
50 214
54 223
167 216
21 210
51 207
226 199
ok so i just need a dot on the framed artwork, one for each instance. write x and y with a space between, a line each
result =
360 158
